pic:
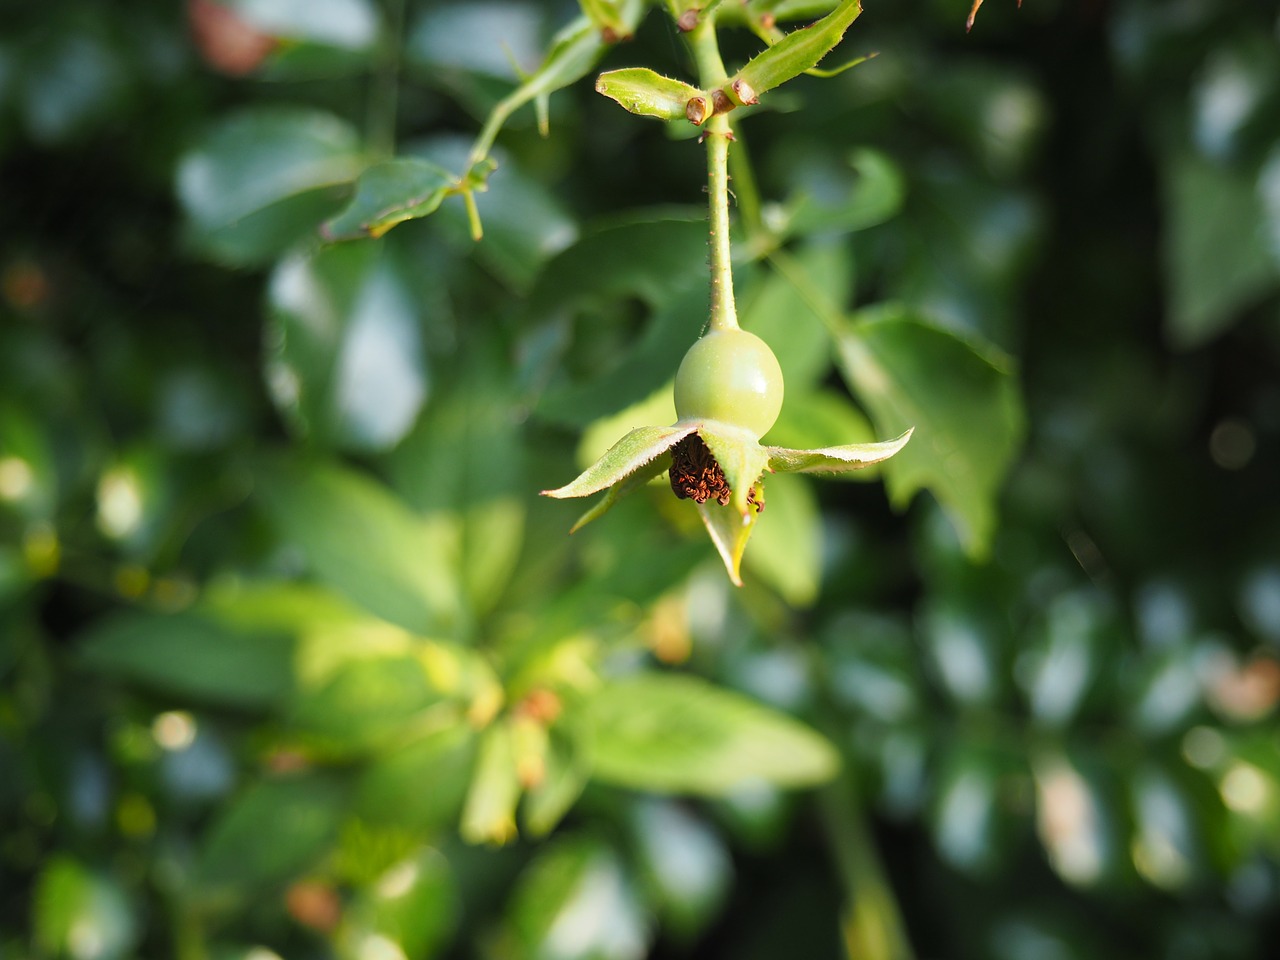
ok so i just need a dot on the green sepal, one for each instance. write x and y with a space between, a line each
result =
729 531
645 93
637 448
739 455
626 485
387 194
851 456
791 56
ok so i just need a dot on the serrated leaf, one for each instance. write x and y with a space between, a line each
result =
646 93
627 485
389 193
629 454
961 399
678 734
850 456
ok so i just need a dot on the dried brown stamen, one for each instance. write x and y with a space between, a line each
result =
696 476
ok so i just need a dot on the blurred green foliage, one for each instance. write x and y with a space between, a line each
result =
293 661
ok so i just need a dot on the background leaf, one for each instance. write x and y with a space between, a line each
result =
369 545
962 403
682 735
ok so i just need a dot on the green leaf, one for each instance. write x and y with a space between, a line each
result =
81 914
831 200
367 703
1217 256
850 456
482 39
363 541
254 185
525 223
678 734
821 418
346 24
777 312
684 863
729 531
787 553
322 39
660 262
566 775
273 831
641 91
189 655
791 56
463 465
388 193
420 786
489 815
345 361
616 19
638 448
575 901
413 905
963 402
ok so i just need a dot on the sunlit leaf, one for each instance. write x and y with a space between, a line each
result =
850 456
489 814
962 401
639 447
678 734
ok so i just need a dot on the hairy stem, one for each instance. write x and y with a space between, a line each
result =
717 134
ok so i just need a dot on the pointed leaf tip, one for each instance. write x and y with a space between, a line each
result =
851 456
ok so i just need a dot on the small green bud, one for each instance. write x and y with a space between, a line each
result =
649 94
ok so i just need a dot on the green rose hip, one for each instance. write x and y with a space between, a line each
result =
730 376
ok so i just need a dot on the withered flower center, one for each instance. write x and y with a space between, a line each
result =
696 476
